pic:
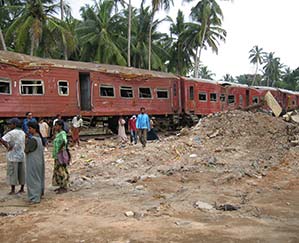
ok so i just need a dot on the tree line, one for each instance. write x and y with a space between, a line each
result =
115 32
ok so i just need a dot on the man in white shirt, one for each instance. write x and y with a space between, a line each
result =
77 123
14 141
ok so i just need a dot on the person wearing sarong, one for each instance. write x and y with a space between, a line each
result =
60 172
121 130
35 164
14 141
77 123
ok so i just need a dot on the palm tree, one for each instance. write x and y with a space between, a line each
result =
156 6
139 43
228 78
2 41
180 54
192 37
272 69
208 16
256 56
129 33
101 35
35 21
205 73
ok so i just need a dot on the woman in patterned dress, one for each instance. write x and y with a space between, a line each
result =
60 174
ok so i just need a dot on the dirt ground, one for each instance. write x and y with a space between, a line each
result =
179 189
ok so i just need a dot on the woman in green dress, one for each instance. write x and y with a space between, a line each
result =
35 164
60 173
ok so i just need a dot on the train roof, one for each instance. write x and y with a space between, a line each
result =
30 62
224 83
201 80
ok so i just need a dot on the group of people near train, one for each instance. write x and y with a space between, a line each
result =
26 142
139 126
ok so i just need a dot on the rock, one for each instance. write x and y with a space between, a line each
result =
139 187
119 161
202 205
193 155
129 214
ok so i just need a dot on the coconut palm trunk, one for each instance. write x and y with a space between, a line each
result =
2 41
198 56
63 38
150 42
129 34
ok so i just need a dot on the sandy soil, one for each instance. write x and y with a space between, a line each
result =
172 190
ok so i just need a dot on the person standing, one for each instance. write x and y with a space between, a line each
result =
152 135
14 141
28 118
35 164
133 129
44 131
143 126
121 130
60 173
77 123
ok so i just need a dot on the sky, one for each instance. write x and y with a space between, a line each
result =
270 24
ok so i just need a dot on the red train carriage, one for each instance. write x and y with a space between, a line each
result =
202 97
47 87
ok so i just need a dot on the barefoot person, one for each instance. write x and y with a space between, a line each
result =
35 164
14 141
60 173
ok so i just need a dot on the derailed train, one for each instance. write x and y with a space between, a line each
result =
47 87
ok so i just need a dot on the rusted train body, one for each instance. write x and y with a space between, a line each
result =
47 87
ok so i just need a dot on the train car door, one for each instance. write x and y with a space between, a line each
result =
85 91
247 98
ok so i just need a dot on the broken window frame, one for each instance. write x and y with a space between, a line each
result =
107 86
22 86
144 97
255 98
213 99
5 81
59 87
231 99
222 97
128 90
191 92
202 95
165 91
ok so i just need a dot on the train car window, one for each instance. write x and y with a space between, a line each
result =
231 99
31 87
202 96
126 92
293 102
145 93
222 97
191 93
107 91
213 97
162 93
174 89
255 100
63 88
5 86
